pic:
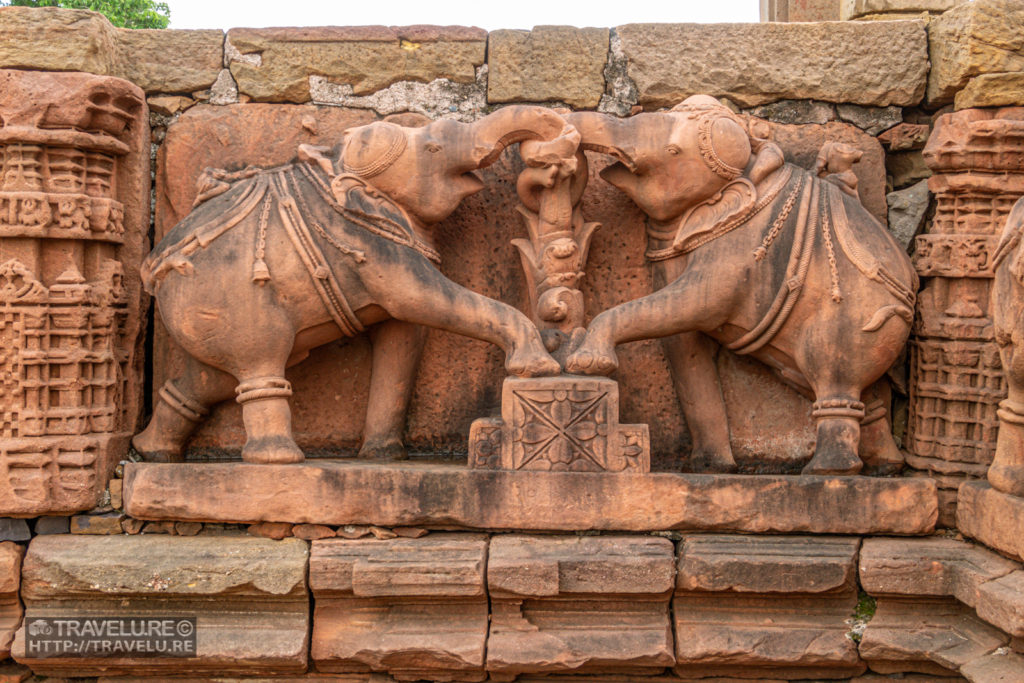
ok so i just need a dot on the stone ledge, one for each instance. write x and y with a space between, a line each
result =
994 518
337 492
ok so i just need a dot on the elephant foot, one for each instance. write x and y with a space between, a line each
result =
532 362
272 450
1007 478
151 448
592 358
833 462
711 461
383 449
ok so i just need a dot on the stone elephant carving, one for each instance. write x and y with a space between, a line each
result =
1007 308
766 258
272 263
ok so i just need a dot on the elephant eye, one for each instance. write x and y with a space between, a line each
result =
673 150
433 147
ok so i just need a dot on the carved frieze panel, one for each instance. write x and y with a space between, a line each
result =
74 179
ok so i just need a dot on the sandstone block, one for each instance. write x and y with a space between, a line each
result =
14 673
992 90
998 666
1001 603
776 606
170 61
929 566
14 529
858 9
868 63
906 168
248 596
872 120
274 64
977 38
10 604
905 136
549 63
52 525
795 111
930 636
907 209
338 493
415 608
52 39
97 525
799 10
579 604
994 518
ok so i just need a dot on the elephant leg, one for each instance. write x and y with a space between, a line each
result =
424 296
397 347
1007 471
182 404
838 420
668 311
691 358
877 448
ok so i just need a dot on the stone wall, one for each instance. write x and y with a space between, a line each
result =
410 572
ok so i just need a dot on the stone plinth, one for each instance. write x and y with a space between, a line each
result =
415 608
10 605
248 596
567 424
766 606
932 636
426 494
579 604
994 518
74 215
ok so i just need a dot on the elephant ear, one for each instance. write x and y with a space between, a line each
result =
715 216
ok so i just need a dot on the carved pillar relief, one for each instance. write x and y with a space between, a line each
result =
74 180
956 380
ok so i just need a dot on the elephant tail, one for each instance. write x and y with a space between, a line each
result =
884 313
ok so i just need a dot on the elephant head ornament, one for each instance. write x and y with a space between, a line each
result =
766 258
271 263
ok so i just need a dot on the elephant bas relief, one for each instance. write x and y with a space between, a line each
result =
272 263
766 258
761 256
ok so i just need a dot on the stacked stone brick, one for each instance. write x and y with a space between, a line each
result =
956 378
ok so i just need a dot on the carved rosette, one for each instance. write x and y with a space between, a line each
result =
67 331
563 424
956 378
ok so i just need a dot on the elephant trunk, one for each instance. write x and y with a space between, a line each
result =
508 125
607 135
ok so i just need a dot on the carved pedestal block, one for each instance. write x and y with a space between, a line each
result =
74 213
579 604
10 604
992 517
248 596
956 377
415 608
764 606
566 423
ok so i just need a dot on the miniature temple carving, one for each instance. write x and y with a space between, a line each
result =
74 168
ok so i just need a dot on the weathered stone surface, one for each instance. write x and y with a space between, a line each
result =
996 519
340 493
14 673
992 90
1001 603
170 61
858 9
929 566
907 209
169 104
999 666
927 636
272 530
54 39
795 111
906 168
52 525
10 604
14 529
771 605
579 604
97 525
977 38
876 63
248 595
74 185
549 63
799 10
312 532
872 120
416 608
774 564
274 64
905 136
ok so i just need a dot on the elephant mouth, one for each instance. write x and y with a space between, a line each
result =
471 183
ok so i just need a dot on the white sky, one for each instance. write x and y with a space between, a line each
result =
487 14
